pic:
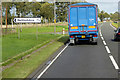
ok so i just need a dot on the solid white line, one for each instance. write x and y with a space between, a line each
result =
112 26
114 62
51 62
102 38
108 50
104 42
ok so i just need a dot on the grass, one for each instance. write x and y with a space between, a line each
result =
100 22
44 29
24 67
115 24
12 46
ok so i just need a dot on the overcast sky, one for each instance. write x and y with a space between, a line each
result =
109 6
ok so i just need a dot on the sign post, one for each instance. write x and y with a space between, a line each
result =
27 20
54 17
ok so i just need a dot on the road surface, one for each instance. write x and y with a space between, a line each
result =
85 60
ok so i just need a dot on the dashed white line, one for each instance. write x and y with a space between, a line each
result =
108 50
114 62
51 62
100 34
102 38
104 42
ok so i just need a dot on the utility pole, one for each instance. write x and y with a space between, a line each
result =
54 17
1 16
20 24
6 16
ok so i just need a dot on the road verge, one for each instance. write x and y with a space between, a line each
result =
24 67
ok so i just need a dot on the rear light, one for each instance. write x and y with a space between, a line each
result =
74 27
118 33
71 36
91 26
95 36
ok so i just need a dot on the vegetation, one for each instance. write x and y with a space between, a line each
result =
115 24
45 10
24 67
114 17
102 15
105 16
13 46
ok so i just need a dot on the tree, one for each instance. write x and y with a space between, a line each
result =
106 15
47 11
61 11
9 6
35 9
101 15
114 17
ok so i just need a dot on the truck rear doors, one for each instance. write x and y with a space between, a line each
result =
82 19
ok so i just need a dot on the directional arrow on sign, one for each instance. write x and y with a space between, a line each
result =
27 20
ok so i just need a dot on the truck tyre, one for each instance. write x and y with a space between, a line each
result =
94 42
72 42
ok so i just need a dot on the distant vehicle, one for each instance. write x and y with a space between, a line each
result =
117 34
104 21
83 22
115 21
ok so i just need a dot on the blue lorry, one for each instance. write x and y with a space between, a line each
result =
83 22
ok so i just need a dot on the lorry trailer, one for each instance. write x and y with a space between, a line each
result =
83 22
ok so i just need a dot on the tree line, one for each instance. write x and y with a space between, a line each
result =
27 9
105 16
45 10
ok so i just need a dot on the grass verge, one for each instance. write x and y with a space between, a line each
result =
115 24
12 46
100 22
24 67
21 55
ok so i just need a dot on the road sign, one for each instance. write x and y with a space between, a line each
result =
27 20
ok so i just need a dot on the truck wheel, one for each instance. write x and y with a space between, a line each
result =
94 42
72 42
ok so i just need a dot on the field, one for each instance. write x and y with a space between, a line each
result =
12 46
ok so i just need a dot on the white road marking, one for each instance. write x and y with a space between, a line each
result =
112 26
51 62
102 38
101 25
114 62
108 50
104 42
100 34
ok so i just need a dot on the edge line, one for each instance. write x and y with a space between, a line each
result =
39 76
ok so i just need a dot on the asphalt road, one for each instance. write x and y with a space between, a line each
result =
85 60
